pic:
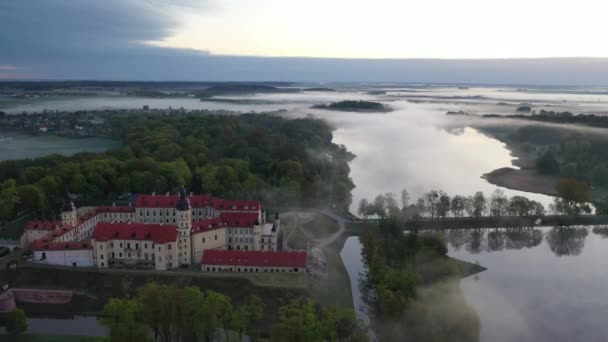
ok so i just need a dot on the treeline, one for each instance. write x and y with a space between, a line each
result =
274 159
557 117
408 277
438 204
354 105
163 313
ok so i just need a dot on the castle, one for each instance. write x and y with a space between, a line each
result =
165 232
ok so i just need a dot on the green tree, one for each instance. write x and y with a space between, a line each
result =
298 322
120 317
573 197
31 197
9 199
16 322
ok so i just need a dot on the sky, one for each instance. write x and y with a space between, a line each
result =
436 41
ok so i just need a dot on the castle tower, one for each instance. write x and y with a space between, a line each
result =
68 212
183 220
276 227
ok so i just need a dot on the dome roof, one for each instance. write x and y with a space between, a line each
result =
68 205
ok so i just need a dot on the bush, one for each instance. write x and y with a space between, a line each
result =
16 322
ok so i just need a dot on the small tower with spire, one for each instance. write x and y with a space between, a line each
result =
68 211
183 220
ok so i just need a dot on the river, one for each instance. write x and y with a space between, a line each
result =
19 146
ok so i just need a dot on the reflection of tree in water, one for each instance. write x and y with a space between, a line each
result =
457 238
518 238
496 240
567 240
601 231
476 240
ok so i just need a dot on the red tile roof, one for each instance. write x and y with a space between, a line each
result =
43 225
41 245
196 201
254 258
206 225
240 219
135 231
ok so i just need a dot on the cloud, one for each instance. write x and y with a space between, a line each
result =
91 39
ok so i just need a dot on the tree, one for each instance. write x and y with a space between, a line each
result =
8 199
479 204
457 206
431 201
298 322
405 199
31 197
120 317
364 208
16 322
519 206
573 197
498 203
247 317
443 206
547 163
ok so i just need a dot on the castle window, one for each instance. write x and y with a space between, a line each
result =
169 246
128 245
120 255
102 264
136 246
215 236
203 240
101 247
101 256
120 245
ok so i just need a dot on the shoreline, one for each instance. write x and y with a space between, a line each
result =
527 180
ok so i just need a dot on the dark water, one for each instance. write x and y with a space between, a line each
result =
77 326
353 262
19 146
541 284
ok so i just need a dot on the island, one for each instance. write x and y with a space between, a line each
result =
355 106
242 89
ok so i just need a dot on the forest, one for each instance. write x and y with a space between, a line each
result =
282 162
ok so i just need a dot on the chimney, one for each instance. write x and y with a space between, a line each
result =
167 194
113 204
191 194
153 193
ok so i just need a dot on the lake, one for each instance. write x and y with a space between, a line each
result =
18 145
542 284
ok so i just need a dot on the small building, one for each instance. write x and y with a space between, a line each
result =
215 260
77 254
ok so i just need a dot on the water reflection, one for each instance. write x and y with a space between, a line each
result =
541 283
561 240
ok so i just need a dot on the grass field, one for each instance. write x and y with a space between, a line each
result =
336 288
